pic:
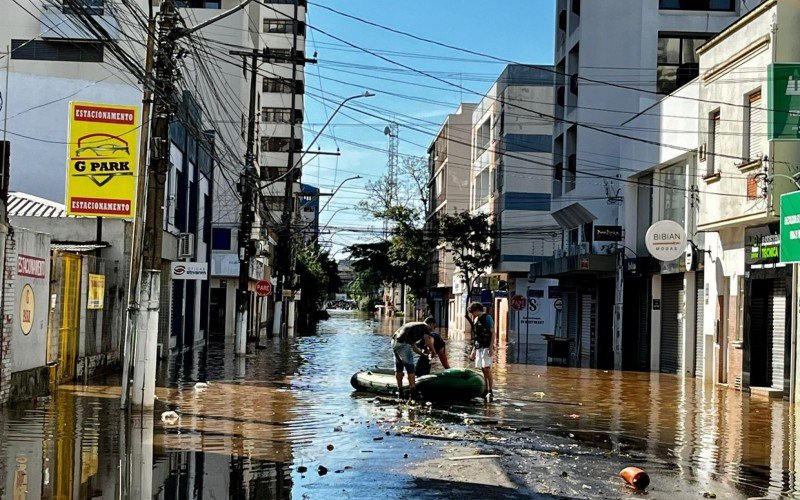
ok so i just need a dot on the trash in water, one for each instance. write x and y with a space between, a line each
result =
635 477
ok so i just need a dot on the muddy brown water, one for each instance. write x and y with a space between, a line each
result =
266 416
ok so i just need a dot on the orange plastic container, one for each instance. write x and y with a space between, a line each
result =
635 477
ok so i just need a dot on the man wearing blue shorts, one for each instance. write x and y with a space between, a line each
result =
404 346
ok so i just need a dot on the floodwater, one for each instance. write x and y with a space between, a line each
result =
288 406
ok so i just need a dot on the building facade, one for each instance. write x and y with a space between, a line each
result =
448 192
510 179
601 83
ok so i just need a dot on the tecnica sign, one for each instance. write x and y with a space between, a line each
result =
666 240
790 228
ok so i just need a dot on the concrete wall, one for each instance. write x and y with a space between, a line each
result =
29 349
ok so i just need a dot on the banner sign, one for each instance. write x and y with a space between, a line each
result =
790 228
103 157
31 267
784 101
97 290
189 271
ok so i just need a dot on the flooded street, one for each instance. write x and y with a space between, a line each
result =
266 424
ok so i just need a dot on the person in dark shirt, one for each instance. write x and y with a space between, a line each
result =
483 343
436 348
404 345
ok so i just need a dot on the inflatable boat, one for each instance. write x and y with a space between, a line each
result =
455 384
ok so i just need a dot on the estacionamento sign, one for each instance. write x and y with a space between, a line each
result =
102 160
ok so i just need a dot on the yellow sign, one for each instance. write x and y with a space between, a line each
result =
102 167
27 308
97 288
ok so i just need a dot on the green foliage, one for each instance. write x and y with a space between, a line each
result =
319 277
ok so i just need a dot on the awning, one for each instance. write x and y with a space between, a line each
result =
575 264
78 247
573 216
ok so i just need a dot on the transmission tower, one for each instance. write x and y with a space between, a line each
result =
392 131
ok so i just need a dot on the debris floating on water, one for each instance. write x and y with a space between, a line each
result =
635 477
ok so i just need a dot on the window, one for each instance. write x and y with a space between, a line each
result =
483 136
285 56
45 50
754 127
678 63
301 3
673 199
562 20
281 115
199 4
576 7
221 238
572 173
558 178
483 188
282 86
719 5
91 7
713 143
279 144
283 26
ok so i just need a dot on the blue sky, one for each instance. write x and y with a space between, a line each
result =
516 30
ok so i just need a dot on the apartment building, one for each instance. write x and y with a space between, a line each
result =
510 178
603 81
449 192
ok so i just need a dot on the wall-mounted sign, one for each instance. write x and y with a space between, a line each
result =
31 267
189 271
27 308
691 257
97 289
656 304
666 240
607 233
790 228
784 101
102 160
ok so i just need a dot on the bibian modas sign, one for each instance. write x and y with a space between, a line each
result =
666 240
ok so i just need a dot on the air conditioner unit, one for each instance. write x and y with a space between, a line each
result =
185 245
584 248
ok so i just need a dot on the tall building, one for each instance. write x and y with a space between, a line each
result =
449 192
510 178
602 81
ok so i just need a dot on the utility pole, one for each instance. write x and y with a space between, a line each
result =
246 182
145 341
286 248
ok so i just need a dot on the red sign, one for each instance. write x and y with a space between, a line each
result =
100 114
518 302
263 288
31 267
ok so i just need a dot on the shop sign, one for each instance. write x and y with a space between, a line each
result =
783 108
97 288
666 240
607 233
102 160
189 271
31 267
790 228
458 285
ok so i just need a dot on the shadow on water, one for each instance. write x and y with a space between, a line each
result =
264 416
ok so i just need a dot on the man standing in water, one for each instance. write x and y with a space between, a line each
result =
404 345
483 343
432 345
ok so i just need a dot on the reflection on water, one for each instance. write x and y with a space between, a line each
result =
264 415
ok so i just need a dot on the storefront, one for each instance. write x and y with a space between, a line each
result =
765 362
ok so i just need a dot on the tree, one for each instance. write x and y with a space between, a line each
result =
319 279
469 237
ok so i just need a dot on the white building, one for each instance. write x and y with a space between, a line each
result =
604 81
511 155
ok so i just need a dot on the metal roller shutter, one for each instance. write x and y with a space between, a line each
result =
699 356
586 331
644 327
671 298
572 327
778 306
